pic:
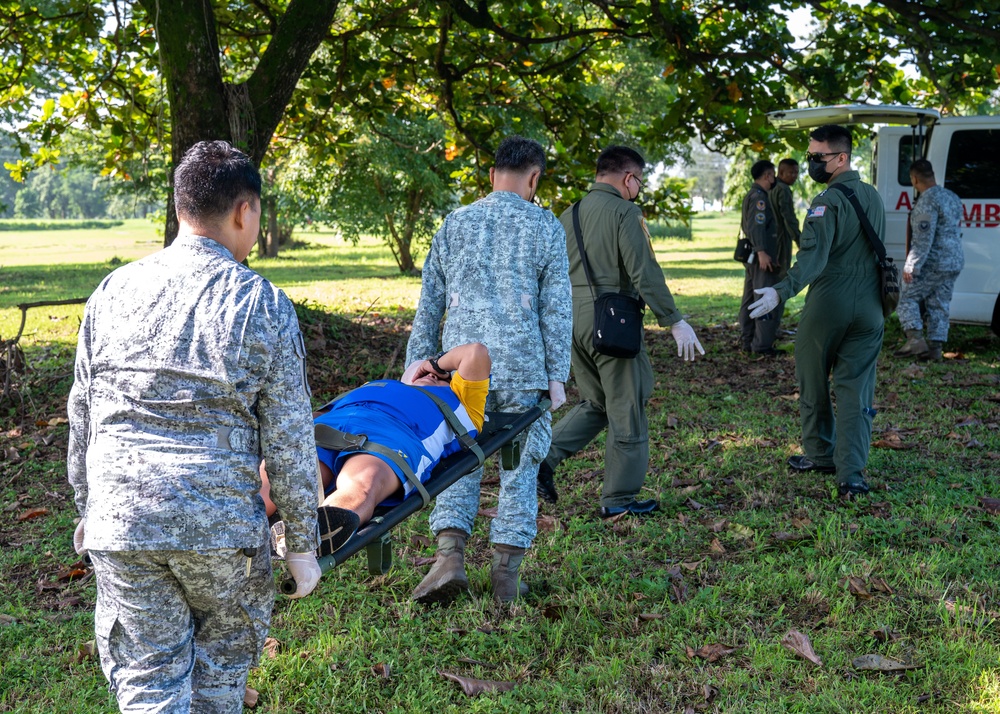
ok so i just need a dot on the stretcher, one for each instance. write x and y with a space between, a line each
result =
500 433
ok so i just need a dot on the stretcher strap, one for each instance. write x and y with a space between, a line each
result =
466 439
329 438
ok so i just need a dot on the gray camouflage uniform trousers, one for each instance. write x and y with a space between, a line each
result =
155 663
935 258
499 267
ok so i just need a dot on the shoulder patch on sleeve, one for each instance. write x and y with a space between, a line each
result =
760 218
761 205
817 212
645 228
924 225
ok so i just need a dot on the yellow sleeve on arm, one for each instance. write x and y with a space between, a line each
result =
472 395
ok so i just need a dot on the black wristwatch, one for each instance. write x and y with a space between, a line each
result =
434 362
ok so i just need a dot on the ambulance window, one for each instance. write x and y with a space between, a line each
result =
974 163
907 147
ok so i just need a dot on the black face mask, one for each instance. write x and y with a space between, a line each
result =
818 172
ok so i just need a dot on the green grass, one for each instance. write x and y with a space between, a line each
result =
614 607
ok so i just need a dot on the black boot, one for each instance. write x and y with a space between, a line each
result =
546 483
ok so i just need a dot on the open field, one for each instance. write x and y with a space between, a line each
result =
681 612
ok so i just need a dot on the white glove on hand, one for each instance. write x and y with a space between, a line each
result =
768 301
686 340
557 393
305 571
78 538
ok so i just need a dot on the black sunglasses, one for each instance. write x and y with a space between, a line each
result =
818 155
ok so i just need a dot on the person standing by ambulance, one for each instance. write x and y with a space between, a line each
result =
932 265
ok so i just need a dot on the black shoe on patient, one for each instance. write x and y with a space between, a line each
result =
546 483
804 463
336 526
636 508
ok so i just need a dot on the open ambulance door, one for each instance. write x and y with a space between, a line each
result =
896 148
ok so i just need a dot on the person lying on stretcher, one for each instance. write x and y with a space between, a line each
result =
396 416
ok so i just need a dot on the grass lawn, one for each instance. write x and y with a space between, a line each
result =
685 611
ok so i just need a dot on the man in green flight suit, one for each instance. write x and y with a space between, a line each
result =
613 390
761 269
842 325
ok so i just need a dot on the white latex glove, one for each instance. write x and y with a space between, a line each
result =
78 538
768 301
686 340
305 571
557 393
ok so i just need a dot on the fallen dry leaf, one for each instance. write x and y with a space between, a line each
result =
547 523
476 662
32 513
710 692
382 670
474 687
801 523
420 541
488 512
671 422
990 505
693 504
800 645
878 663
6 619
646 616
715 651
857 588
719 526
250 697
87 650
271 647
716 547
880 585
885 635
784 537
692 566
419 560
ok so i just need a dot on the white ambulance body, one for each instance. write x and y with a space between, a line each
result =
965 154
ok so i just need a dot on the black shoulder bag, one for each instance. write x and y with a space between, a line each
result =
888 272
617 316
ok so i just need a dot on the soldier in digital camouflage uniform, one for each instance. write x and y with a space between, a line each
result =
763 270
932 264
499 269
190 369
840 332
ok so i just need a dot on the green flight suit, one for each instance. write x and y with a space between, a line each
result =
613 391
841 327
759 225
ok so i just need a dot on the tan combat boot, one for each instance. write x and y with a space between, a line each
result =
915 345
507 587
935 351
446 578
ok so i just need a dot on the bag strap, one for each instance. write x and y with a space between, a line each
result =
579 244
583 256
866 224
464 437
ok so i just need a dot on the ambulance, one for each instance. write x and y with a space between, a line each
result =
965 154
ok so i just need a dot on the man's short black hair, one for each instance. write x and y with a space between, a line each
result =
618 160
211 178
923 169
519 155
838 137
760 168
789 161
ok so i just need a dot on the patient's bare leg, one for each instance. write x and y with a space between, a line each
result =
364 482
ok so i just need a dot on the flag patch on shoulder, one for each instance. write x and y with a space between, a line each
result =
816 212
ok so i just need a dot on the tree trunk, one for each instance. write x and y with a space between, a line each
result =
202 107
272 227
